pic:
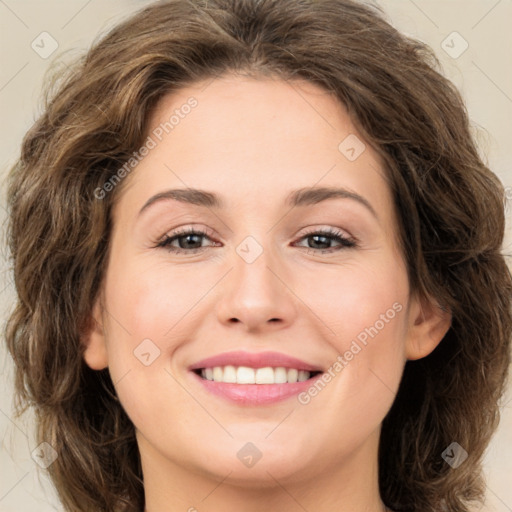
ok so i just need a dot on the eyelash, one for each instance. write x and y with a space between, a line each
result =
334 234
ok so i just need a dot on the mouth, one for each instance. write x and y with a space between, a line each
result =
246 375
248 378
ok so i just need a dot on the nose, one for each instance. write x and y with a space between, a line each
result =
257 295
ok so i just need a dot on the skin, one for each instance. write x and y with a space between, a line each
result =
252 141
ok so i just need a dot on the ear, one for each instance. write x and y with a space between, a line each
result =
428 324
93 338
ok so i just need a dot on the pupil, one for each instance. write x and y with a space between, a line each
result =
187 237
315 237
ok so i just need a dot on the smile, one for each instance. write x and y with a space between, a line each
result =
246 375
254 378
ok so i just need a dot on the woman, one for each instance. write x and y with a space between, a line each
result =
338 338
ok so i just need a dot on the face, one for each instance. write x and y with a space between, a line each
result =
312 284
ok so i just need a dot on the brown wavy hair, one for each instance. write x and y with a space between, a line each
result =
449 204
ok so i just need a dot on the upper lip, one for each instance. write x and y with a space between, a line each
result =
254 360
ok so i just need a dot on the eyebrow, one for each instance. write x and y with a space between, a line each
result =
300 197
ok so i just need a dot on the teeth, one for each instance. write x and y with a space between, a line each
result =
293 375
229 374
217 374
303 375
265 375
246 375
280 375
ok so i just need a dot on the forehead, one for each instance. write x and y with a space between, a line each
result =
253 140
269 107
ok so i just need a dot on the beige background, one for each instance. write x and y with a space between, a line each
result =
483 73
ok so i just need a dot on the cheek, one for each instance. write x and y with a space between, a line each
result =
150 313
153 299
362 313
352 300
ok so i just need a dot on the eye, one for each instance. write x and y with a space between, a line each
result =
189 240
326 236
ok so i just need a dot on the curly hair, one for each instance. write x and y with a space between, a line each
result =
451 226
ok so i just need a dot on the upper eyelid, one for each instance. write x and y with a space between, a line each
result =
182 231
209 233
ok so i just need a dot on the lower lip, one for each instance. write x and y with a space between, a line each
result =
256 394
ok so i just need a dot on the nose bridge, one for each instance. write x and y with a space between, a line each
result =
254 262
257 293
256 251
